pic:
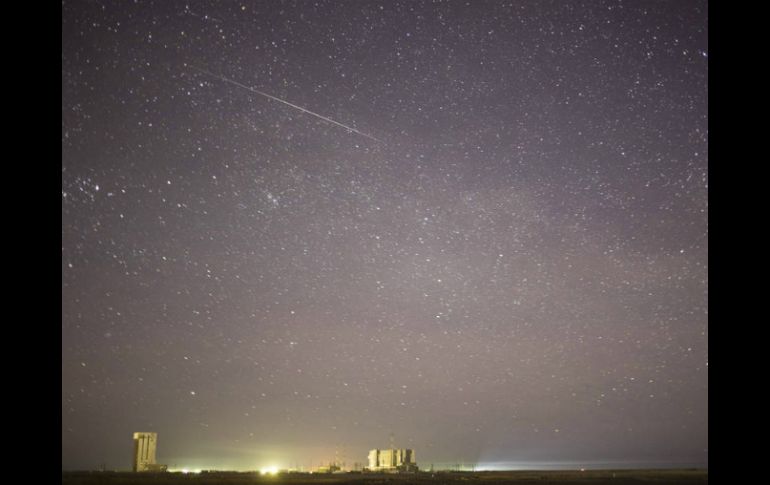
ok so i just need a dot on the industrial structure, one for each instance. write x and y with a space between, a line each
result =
393 460
145 445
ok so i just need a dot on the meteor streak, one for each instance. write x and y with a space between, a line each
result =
236 83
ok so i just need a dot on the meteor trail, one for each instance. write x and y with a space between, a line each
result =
222 78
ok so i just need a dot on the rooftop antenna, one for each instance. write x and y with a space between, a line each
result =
392 441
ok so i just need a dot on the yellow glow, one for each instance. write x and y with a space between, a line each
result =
270 470
183 470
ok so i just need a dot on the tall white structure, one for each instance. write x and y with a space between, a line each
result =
393 460
144 453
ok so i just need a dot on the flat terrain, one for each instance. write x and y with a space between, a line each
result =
618 477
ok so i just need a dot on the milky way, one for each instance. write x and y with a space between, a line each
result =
517 275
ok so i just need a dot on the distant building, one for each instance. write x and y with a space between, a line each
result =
145 445
393 460
330 468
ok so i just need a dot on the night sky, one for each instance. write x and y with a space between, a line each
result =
503 262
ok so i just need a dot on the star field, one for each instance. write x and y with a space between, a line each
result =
516 272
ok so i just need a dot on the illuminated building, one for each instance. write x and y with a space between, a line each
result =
144 453
393 460
330 468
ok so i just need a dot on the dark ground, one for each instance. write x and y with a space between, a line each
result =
618 477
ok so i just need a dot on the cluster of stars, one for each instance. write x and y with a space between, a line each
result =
520 262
